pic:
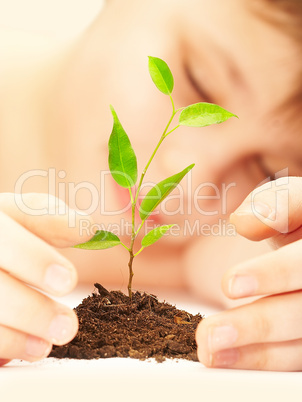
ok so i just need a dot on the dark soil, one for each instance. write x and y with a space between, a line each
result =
112 326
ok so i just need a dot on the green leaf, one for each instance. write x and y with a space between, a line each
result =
160 191
203 114
100 241
155 234
122 160
161 75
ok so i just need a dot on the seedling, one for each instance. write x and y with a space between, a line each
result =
123 166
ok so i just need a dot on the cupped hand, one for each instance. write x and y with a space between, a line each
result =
265 334
30 321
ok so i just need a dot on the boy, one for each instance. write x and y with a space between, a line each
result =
55 115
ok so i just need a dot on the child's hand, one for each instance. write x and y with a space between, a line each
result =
267 333
30 322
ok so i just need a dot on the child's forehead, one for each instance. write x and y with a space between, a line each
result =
217 18
280 14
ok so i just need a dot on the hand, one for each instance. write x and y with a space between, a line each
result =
267 333
30 322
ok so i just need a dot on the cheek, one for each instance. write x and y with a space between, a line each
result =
208 258
203 269
238 181
204 198
210 198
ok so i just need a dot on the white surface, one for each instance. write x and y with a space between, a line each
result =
132 380
61 18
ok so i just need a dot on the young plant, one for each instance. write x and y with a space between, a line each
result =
123 166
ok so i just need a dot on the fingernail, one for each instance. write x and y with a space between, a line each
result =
221 337
58 278
61 329
240 286
225 358
37 347
263 210
255 208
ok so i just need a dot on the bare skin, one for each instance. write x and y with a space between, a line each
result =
216 55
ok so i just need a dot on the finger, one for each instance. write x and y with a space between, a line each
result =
278 271
29 311
272 209
3 362
257 322
35 262
279 356
17 345
48 217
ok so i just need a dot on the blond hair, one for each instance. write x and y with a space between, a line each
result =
286 14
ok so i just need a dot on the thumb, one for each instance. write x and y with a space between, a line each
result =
48 218
270 210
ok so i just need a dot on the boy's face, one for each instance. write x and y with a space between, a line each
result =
221 52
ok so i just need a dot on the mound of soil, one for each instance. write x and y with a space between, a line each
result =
110 325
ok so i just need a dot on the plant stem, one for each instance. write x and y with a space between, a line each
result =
124 245
134 201
153 154
173 106
139 251
130 263
130 274
171 131
140 226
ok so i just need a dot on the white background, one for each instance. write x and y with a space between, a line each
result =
61 18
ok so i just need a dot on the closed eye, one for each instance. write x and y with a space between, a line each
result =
269 175
205 97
